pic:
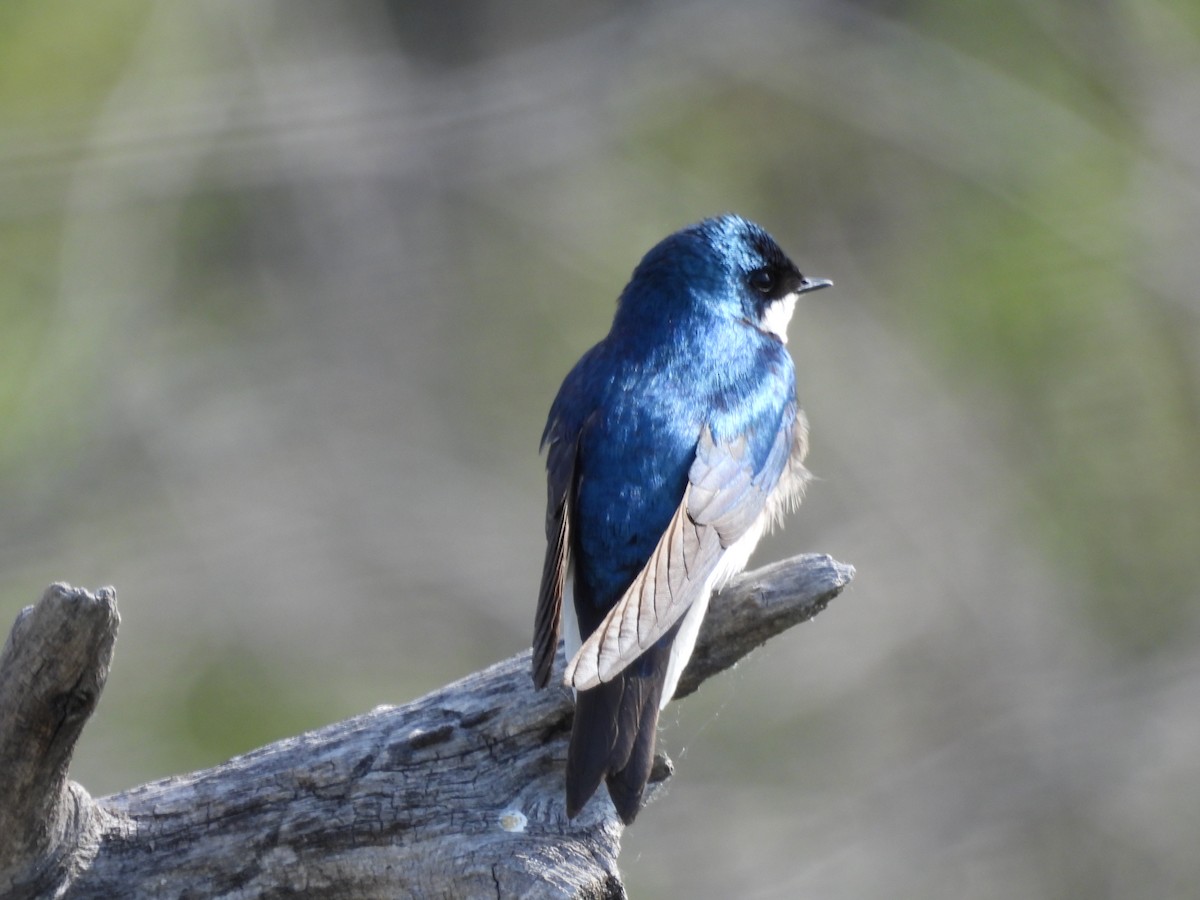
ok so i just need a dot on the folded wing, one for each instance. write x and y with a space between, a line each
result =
725 495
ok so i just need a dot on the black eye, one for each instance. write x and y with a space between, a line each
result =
762 280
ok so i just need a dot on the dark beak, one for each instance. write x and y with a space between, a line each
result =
813 284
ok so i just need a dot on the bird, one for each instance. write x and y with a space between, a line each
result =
671 447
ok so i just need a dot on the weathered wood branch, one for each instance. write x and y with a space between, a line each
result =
457 794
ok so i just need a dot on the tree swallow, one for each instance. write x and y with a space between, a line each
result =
672 446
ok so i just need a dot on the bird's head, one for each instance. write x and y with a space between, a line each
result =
725 268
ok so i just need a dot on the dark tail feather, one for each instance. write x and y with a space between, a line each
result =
626 786
613 736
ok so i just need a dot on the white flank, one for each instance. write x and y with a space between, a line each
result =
569 622
732 561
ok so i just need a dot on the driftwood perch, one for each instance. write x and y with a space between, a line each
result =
457 794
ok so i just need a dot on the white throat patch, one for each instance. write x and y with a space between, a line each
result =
778 314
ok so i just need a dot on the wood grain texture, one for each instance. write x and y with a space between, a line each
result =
457 794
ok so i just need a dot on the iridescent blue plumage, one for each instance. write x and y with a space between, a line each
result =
671 446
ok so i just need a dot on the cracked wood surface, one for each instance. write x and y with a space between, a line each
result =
457 794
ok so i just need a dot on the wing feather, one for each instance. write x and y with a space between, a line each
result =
560 464
723 500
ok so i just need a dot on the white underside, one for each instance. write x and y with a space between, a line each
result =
777 316
570 622
733 561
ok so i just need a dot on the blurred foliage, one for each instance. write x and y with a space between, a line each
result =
53 63
217 716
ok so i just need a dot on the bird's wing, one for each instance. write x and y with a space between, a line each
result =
725 495
560 467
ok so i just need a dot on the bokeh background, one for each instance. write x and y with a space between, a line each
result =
286 289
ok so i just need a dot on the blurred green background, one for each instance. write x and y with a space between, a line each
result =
286 290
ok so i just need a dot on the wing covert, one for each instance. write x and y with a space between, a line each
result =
724 498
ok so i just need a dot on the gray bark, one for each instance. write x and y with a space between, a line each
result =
457 794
